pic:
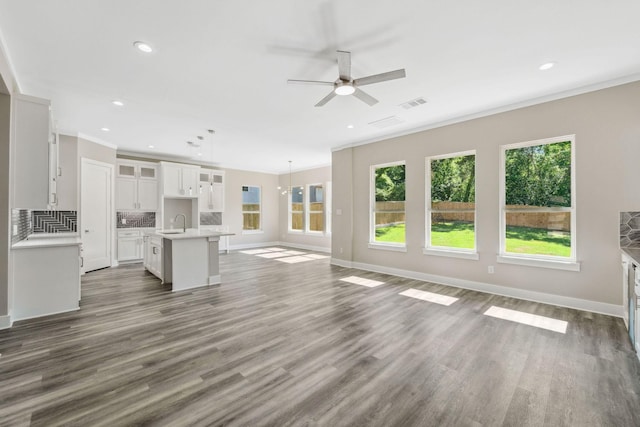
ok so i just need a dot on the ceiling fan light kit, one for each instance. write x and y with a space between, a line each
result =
346 85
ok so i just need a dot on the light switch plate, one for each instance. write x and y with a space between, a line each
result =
15 229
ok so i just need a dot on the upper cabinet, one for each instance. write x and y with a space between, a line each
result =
211 190
35 154
179 180
136 186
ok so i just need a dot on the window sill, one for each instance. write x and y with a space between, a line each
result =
451 253
252 232
388 247
536 262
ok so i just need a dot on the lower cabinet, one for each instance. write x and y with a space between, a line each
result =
153 256
130 245
46 280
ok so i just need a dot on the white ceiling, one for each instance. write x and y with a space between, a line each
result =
224 65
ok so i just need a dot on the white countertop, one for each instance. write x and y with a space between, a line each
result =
191 233
47 242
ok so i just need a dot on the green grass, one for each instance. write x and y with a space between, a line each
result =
525 240
520 240
391 234
453 235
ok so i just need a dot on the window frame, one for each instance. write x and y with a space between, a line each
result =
259 212
429 249
308 211
548 261
373 244
290 210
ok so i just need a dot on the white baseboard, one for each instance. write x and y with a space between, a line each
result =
5 322
562 301
306 247
253 245
341 263
290 245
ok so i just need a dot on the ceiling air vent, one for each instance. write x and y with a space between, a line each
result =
387 122
413 103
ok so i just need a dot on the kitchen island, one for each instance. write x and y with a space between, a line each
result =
185 259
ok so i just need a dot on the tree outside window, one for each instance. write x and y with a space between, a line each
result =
539 210
451 201
388 221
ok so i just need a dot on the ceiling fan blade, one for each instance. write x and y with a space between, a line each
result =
326 99
309 82
344 65
377 78
365 97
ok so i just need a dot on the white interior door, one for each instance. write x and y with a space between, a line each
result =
96 214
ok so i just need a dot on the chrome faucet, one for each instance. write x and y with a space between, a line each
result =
184 222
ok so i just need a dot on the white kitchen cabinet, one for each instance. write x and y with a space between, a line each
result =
34 157
136 187
46 277
130 245
153 255
211 191
179 180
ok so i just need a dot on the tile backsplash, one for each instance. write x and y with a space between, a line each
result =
135 219
25 222
54 221
210 218
21 224
630 229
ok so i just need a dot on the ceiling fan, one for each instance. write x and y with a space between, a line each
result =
346 85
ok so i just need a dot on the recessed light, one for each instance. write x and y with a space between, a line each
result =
151 146
118 103
143 47
199 154
105 129
546 66
349 126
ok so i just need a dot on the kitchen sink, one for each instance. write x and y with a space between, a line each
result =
171 232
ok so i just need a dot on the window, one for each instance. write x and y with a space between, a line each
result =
450 210
315 218
538 200
387 205
250 208
296 209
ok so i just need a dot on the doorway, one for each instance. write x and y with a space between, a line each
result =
96 214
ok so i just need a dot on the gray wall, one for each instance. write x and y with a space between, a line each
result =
302 179
607 128
232 216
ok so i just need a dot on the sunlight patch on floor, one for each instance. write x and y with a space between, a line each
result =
362 281
429 296
542 322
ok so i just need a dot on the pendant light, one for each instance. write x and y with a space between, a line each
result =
289 188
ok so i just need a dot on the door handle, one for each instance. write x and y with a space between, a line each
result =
86 231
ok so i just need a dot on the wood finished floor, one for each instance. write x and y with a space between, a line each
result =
290 344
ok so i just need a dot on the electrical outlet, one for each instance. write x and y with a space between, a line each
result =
490 269
15 229
338 211
124 220
341 250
